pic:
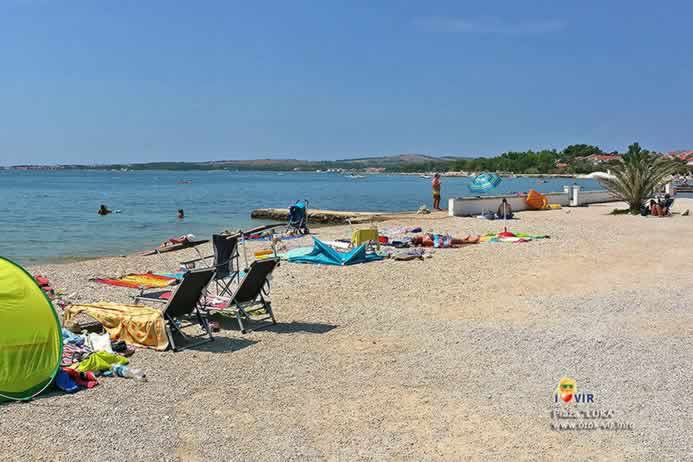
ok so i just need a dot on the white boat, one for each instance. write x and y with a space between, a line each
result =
354 177
426 177
598 175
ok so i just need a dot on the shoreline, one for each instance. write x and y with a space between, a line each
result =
413 358
450 174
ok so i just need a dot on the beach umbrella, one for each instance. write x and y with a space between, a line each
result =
484 183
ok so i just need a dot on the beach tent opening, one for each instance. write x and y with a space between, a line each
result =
30 335
326 255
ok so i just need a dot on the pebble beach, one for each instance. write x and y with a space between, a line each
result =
453 357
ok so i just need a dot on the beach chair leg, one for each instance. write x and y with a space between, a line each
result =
239 311
166 265
169 335
171 327
268 307
204 322
223 288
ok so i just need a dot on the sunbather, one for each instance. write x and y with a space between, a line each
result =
442 241
178 240
504 210
103 210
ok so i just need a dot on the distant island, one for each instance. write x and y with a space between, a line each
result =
574 159
396 163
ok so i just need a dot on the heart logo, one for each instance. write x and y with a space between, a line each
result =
566 397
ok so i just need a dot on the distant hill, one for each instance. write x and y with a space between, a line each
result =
400 162
403 158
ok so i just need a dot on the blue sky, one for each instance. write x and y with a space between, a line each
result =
102 81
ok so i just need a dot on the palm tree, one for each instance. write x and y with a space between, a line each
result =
637 176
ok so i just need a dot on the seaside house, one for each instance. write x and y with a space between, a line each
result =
683 155
602 158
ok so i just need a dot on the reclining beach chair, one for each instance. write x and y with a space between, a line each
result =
224 261
298 218
151 327
249 299
184 301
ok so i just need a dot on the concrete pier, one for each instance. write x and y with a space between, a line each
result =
321 216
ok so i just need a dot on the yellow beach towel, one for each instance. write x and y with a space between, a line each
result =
135 324
362 236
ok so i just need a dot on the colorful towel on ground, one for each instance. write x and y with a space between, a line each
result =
136 324
514 237
135 281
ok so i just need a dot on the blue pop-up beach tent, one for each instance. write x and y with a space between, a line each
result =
326 255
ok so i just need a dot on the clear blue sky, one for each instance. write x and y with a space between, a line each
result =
105 81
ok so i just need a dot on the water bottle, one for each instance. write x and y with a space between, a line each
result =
120 370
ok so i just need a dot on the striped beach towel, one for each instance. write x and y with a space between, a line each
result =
136 281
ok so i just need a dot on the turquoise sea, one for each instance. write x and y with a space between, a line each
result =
51 215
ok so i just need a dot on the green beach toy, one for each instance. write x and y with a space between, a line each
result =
30 335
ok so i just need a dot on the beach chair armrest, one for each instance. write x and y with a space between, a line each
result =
148 299
195 260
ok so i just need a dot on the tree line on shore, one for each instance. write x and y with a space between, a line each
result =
574 159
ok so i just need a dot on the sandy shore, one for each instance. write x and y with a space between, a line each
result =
454 357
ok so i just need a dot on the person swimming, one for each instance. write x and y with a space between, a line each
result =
181 214
103 210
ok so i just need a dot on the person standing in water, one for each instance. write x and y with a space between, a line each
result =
181 214
435 183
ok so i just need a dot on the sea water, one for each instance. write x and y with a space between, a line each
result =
51 215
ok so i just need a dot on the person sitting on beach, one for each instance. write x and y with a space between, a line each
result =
181 214
435 183
655 210
665 205
504 210
103 210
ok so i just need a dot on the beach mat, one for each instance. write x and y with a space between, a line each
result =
136 281
512 237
